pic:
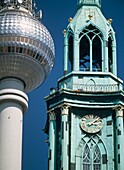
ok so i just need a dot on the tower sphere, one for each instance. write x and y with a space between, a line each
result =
26 46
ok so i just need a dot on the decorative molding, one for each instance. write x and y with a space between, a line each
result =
119 110
65 109
52 114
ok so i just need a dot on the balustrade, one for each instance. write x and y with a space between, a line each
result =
95 88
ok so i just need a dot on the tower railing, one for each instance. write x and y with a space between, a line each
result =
96 88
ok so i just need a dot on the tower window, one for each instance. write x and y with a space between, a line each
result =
91 158
96 159
110 58
86 158
90 49
97 57
84 54
70 66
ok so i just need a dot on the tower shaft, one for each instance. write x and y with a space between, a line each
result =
89 101
26 59
13 103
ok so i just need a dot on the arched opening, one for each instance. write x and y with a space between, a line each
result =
110 57
84 63
91 154
86 158
91 49
97 55
96 158
71 55
91 158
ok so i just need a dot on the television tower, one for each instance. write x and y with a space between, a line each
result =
85 113
26 59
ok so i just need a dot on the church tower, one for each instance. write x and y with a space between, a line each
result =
85 113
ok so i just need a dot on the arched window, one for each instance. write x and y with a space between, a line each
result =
84 54
86 158
90 49
97 57
96 159
91 158
110 57
70 64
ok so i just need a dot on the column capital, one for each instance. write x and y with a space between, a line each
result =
118 107
65 109
119 110
52 114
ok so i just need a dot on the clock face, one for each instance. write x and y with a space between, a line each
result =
91 123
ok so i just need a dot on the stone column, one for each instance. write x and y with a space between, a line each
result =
119 138
65 137
76 53
103 56
91 57
106 65
52 140
66 58
114 54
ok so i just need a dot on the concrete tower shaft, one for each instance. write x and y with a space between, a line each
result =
26 59
13 103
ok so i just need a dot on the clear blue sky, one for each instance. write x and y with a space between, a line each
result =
55 18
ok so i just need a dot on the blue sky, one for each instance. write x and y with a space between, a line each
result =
55 18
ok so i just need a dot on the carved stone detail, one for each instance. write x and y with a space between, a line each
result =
52 115
119 110
65 109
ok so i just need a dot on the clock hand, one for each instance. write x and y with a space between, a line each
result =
96 123
91 123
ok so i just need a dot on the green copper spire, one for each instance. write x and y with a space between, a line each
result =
89 2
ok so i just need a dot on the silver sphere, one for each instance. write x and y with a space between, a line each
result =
26 48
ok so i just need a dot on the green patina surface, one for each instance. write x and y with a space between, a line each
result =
89 91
